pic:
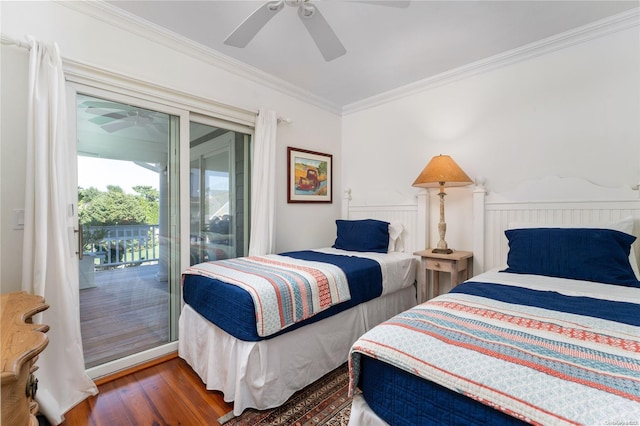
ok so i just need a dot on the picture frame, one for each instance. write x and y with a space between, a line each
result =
309 176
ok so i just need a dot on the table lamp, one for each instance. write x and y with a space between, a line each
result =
442 172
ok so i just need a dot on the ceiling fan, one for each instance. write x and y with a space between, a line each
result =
323 35
113 117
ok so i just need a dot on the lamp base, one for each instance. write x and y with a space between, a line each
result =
442 251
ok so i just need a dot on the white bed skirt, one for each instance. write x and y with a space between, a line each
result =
362 414
265 374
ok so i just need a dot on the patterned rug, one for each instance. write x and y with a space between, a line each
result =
324 402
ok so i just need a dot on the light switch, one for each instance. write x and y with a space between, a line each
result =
18 218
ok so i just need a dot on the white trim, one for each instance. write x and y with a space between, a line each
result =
479 194
130 361
117 17
209 120
88 75
587 32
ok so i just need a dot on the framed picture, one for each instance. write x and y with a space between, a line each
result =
309 176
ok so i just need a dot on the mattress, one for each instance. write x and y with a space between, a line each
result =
571 356
232 309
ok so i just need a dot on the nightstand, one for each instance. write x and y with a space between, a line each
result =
459 264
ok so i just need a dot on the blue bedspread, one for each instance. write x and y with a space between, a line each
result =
395 394
232 309
624 312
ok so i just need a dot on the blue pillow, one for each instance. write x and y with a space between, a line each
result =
362 235
600 255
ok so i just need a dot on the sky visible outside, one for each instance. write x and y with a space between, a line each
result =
100 172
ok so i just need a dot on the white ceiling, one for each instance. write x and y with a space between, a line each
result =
387 47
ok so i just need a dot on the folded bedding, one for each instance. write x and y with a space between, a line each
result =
543 350
284 290
236 308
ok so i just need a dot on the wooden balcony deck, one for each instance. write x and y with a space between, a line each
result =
125 313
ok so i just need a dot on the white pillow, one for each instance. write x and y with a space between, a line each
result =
395 237
623 225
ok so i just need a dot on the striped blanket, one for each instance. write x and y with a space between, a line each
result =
284 290
542 365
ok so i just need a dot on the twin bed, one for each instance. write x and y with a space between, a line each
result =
549 334
554 339
264 337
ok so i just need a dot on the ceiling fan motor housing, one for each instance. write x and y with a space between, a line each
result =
275 6
296 3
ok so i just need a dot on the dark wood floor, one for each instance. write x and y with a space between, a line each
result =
169 393
126 312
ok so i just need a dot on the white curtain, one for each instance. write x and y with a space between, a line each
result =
263 197
49 266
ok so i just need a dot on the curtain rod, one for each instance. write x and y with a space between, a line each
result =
15 42
285 120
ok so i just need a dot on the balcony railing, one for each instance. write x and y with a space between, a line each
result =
117 245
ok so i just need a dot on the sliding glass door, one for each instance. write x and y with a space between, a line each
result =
219 188
128 209
159 188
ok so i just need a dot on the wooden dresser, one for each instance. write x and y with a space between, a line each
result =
22 341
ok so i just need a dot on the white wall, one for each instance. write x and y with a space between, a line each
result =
13 124
95 42
572 112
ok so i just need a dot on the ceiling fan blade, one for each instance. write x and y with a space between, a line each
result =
96 111
322 34
254 23
107 118
119 125
388 3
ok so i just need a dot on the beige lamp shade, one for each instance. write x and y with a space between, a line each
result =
442 170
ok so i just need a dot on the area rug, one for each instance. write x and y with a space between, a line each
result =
324 402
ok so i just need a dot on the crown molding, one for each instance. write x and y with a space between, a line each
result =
117 17
603 27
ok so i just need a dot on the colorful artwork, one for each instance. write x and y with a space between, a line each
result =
309 176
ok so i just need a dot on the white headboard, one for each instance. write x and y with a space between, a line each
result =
548 201
413 217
